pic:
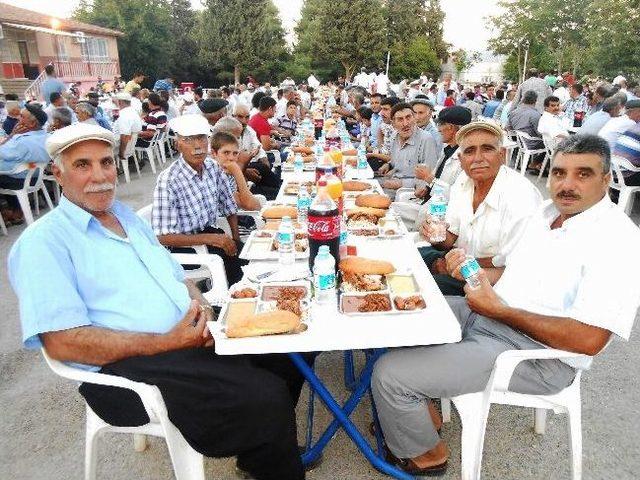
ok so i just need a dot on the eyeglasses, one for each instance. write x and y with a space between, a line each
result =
194 139
241 116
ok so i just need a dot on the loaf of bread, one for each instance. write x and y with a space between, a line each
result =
355 186
352 152
266 323
365 266
303 150
378 212
280 211
373 200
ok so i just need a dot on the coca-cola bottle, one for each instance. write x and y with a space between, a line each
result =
323 224
578 117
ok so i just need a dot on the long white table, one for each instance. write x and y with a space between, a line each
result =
329 330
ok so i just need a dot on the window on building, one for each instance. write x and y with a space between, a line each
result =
61 48
95 49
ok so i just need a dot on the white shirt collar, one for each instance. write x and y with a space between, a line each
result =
582 219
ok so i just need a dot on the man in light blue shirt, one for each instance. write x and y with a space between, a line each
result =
25 144
611 107
376 118
97 289
51 85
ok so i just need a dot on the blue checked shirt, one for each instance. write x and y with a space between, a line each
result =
573 104
185 202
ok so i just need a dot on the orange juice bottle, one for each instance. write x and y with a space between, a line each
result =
338 159
334 189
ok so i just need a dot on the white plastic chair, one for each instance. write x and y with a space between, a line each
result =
187 463
548 156
627 192
129 153
525 154
23 194
473 408
161 144
3 227
55 184
151 152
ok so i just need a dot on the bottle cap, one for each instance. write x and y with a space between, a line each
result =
323 250
286 218
322 182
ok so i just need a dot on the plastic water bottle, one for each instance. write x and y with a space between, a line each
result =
470 271
286 251
303 204
319 151
344 239
362 164
438 212
298 164
324 276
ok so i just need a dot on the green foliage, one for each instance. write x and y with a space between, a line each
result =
145 24
349 33
241 35
464 60
409 60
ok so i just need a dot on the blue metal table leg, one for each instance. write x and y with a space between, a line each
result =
349 371
341 415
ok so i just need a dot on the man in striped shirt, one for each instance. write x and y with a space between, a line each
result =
628 147
191 194
154 121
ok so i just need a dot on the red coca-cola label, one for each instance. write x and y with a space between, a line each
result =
318 122
323 228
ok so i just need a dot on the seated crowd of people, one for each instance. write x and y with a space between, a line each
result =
541 285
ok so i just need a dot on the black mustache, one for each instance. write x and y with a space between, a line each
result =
568 194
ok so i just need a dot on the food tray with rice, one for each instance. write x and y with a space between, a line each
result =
263 245
278 308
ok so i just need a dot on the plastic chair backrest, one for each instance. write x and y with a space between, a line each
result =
145 213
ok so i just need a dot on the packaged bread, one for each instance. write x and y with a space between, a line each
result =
302 149
280 211
373 200
266 323
364 265
355 186
378 212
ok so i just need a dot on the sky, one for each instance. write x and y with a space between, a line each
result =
464 27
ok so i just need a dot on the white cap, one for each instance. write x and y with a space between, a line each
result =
190 125
122 96
188 97
63 138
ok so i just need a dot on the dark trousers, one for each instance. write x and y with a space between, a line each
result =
446 283
232 264
13 183
269 183
223 406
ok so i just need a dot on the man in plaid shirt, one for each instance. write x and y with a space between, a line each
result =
191 194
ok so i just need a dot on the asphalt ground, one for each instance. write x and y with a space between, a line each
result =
42 415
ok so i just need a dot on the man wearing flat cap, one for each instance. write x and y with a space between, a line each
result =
213 109
489 205
25 144
553 293
113 300
192 193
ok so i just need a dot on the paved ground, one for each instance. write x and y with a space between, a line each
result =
42 421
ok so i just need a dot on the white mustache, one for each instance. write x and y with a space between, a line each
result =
99 187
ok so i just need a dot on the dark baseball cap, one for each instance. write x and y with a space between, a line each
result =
212 105
454 115
632 104
36 110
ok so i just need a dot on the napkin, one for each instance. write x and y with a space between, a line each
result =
274 272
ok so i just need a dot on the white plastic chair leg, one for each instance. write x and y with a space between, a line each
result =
93 427
473 413
47 198
187 463
445 406
539 420
152 160
524 163
135 160
139 442
124 162
36 203
575 437
625 200
23 200
3 227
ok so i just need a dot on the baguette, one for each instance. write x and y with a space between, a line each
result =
378 212
303 150
352 152
373 200
355 186
366 266
280 211
266 323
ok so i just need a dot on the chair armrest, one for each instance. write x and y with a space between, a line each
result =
507 362
21 167
218 293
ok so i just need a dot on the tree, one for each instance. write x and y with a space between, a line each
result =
350 33
410 60
145 24
240 35
182 59
465 60
408 19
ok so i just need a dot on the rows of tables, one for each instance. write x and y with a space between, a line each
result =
330 330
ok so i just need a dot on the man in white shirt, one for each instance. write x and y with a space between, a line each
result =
489 205
362 79
136 103
550 125
126 126
561 296
313 82
562 92
618 125
382 83
288 93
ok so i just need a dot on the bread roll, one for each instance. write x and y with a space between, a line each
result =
280 211
351 161
266 323
378 212
303 150
355 186
373 200
352 152
366 266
